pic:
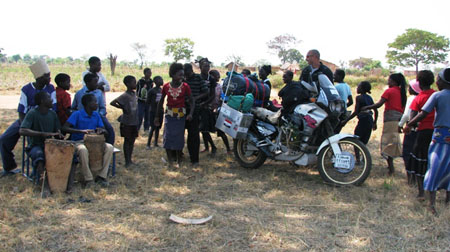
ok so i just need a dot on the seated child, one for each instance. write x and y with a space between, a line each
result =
62 97
91 88
39 124
87 121
153 97
129 119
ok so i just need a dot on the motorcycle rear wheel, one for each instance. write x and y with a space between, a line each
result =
250 159
361 166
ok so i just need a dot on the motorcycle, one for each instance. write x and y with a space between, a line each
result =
306 136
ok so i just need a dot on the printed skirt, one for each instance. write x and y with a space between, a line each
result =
438 173
173 138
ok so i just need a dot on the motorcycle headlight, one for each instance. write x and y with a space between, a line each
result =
335 107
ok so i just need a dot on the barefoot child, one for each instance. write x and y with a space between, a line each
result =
153 98
129 119
409 139
394 100
142 88
419 154
365 121
178 93
438 172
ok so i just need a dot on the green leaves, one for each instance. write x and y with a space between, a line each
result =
281 46
417 46
179 48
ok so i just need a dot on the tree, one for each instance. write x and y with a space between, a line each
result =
281 45
27 58
112 63
141 51
365 63
293 55
179 48
417 46
236 59
16 58
2 55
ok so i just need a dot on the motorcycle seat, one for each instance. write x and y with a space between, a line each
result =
267 115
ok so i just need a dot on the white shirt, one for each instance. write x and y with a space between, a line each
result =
101 78
407 113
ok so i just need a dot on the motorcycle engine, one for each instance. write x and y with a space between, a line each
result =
291 137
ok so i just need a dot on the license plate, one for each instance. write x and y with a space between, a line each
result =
342 161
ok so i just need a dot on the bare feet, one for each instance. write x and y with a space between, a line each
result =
432 210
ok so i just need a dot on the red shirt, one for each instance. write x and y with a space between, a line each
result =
176 97
393 99
63 103
417 104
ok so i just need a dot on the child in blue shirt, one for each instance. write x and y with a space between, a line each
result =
88 121
91 87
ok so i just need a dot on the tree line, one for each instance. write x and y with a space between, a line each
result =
410 49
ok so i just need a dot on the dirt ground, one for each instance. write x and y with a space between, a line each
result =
277 207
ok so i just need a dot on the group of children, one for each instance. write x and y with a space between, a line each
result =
191 101
426 142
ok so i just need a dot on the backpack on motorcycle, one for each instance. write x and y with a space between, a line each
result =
241 103
238 85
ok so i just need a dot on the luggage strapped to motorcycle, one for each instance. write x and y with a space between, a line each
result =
226 98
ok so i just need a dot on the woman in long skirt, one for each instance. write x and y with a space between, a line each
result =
394 100
177 93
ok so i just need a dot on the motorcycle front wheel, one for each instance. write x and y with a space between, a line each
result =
248 156
351 168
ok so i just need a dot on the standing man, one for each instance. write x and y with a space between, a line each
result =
311 72
9 138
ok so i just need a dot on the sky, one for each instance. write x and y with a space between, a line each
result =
340 30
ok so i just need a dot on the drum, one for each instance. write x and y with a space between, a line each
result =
58 162
96 147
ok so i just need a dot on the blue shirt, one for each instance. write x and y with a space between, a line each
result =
344 92
441 102
26 102
77 105
81 120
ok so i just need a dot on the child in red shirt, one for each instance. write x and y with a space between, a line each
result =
394 100
419 160
178 93
63 101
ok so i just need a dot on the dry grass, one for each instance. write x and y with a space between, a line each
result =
275 208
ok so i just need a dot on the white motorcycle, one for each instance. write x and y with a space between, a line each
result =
305 137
